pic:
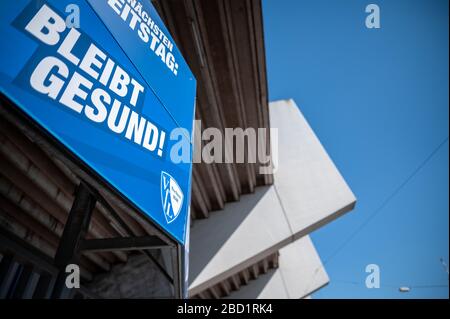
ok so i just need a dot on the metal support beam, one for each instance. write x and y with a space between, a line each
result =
75 229
122 243
129 232
177 264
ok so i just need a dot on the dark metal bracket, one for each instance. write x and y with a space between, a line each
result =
122 243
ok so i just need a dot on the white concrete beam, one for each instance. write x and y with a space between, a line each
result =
312 190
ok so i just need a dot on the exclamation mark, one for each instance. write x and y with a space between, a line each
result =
175 69
162 137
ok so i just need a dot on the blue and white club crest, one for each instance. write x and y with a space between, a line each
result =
171 197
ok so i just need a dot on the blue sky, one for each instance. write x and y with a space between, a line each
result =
378 100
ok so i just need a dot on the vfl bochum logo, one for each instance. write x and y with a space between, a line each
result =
171 197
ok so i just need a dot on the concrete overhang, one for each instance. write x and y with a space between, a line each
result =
308 192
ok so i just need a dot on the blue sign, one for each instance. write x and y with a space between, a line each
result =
111 90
